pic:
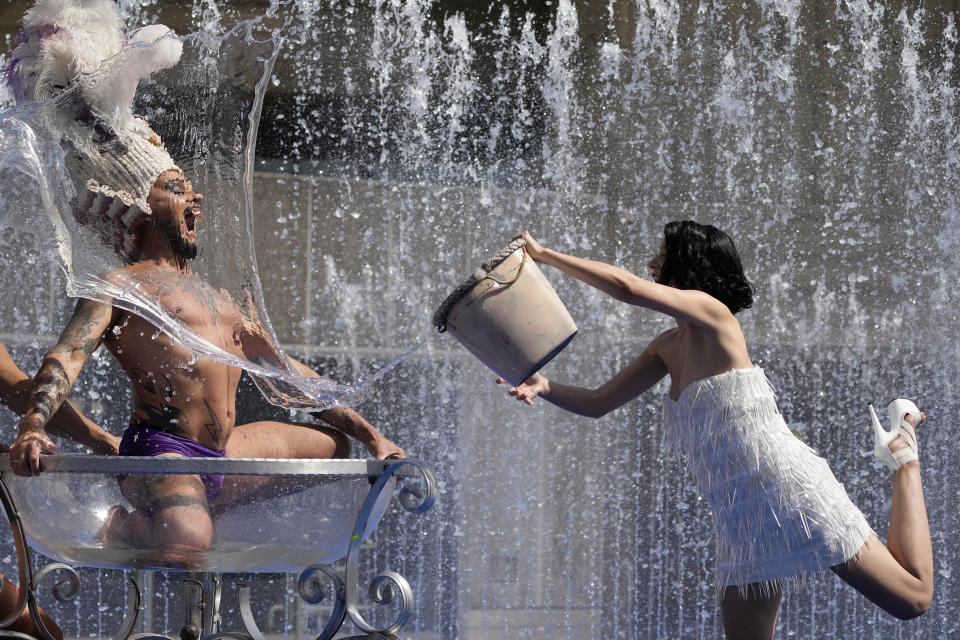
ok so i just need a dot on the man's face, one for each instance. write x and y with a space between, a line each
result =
177 209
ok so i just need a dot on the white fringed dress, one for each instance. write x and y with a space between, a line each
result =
779 513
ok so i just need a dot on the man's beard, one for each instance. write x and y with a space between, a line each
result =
181 246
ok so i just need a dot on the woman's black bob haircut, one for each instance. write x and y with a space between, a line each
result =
702 257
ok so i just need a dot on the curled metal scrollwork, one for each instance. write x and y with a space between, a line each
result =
418 493
23 554
389 585
420 497
63 590
311 588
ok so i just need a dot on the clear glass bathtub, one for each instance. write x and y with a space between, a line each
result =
298 513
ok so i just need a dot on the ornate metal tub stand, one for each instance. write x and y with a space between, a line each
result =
204 588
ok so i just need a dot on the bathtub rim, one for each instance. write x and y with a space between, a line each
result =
87 463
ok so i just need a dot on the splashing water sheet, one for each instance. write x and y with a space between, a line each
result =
223 79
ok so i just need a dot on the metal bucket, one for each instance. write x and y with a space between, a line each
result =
508 315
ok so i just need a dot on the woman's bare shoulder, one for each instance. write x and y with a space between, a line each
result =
665 340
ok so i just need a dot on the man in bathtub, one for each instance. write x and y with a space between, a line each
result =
130 190
182 405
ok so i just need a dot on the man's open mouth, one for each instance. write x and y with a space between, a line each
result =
190 218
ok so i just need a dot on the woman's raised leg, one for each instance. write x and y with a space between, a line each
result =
898 577
752 616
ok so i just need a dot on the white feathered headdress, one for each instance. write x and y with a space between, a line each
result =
83 43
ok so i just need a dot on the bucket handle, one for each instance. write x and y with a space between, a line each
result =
440 317
523 261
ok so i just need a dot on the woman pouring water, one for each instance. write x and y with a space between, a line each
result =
779 514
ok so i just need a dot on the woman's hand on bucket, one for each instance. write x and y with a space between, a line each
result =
529 388
534 249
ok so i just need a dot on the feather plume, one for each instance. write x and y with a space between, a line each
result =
62 40
68 42
76 54
110 93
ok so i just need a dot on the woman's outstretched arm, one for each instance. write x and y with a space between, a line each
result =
692 306
627 384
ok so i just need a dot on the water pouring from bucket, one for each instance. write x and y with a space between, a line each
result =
508 315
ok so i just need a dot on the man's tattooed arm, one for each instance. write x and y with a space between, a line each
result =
50 388
350 422
63 363
85 329
356 426
353 424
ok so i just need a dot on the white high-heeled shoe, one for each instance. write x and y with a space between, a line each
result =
897 410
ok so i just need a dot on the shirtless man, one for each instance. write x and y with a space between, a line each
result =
182 405
130 194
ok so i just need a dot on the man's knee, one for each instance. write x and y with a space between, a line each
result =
181 523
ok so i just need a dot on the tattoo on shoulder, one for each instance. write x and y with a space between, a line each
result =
81 333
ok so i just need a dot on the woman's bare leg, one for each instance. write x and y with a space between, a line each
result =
898 577
753 617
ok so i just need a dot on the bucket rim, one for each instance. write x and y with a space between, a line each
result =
440 316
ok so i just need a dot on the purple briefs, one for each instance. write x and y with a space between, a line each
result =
141 440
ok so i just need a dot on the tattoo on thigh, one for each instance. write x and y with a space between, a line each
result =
146 488
168 502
